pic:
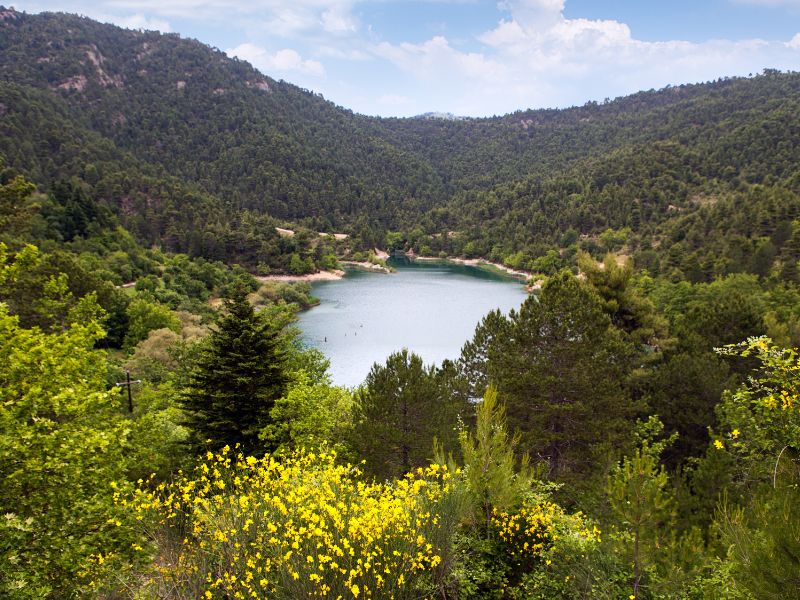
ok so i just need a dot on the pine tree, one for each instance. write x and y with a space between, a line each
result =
561 369
474 357
237 378
497 479
403 406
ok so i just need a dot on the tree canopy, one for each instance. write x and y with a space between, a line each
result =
237 378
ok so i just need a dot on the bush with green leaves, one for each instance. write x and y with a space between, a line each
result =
760 431
145 316
63 447
312 414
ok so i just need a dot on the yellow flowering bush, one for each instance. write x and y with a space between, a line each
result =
529 533
525 532
761 418
300 527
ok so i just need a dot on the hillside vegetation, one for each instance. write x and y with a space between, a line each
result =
631 431
189 147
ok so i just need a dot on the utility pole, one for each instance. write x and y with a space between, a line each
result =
128 383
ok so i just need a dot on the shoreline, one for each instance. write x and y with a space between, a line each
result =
477 262
333 275
318 276
338 274
365 266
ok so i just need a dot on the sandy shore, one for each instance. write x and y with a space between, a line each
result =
477 262
373 268
327 275
319 276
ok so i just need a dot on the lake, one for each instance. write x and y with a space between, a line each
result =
431 308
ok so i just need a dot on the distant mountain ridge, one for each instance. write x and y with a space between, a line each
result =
187 144
445 116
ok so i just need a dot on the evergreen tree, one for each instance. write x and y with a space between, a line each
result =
561 369
402 407
237 378
474 357
496 478
639 495
629 309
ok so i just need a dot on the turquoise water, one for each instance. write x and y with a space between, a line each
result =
429 308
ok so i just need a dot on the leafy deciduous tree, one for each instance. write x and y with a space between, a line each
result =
62 447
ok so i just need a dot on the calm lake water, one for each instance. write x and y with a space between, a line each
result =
429 308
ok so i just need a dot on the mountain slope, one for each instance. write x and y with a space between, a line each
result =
188 146
213 120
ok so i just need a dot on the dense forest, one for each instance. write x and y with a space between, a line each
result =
201 154
631 431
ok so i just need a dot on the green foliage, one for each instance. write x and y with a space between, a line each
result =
514 538
157 438
23 261
145 316
402 407
560 366
612 241
297 293
237 378
765 542
630 310
685 390
312 414
577 568
549 264
16 209
640 499
761 419
473 362
495 476
62 448
44 293
757 435
152 358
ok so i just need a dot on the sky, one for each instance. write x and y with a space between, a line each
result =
474 57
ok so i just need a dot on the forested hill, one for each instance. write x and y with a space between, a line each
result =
629 444
208 119
478 152
185 143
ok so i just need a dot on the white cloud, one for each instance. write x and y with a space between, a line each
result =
339 20
533 15
533 57
538 57
137 21
435 59
278 17
342 53
284 61
102 13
